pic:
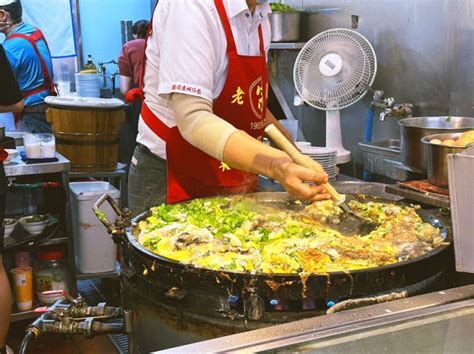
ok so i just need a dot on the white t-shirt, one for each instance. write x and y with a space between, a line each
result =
187 53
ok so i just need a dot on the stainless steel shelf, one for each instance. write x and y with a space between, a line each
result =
17 167
54 242
25 315
120 170
112 274
286 46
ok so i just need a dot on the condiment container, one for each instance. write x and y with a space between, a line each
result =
23 286
22 259
50 274
32 146
48 145
39 146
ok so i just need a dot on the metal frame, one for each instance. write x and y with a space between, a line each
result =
77 29
62 167
273 73
299 332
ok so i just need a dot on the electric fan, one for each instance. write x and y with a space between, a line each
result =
332 71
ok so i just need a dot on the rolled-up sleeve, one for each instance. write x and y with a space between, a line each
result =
188 58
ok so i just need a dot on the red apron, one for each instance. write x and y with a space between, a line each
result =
48 84
243 102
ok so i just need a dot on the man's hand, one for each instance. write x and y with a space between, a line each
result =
295 178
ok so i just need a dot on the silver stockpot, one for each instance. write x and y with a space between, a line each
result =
414 153
285 26
438 157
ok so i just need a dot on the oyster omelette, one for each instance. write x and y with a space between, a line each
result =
238 234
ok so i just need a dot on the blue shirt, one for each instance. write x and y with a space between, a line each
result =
26 65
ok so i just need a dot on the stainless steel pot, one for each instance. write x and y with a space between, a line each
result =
438 157
412 130
285 26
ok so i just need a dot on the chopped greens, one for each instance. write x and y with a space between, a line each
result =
238 234
279 7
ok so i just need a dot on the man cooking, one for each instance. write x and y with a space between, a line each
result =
205 107
30 58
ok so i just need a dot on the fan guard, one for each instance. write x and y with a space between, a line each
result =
335 69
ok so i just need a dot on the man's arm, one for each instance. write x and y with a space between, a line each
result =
125 84
216 137
11 98
17 107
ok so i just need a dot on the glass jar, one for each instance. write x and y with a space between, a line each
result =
50 273
30 204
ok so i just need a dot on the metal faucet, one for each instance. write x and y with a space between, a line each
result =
402 110
74 317
389 108
102 71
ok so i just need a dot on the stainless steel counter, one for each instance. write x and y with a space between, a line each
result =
439 322
17 167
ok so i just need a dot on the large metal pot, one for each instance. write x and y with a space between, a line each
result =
285 26
412 130
438 157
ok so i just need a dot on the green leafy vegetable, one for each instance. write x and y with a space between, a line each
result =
36 218
279 7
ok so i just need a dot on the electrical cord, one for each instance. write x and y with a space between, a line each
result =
26 340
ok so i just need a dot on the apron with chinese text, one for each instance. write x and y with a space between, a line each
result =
191 172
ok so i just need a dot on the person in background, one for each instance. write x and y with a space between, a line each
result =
131 58
205 107
130 65
11 100
30 58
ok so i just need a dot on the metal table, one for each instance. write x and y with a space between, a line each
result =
17 167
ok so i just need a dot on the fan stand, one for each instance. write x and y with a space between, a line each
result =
334 136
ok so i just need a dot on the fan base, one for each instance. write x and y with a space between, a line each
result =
343 156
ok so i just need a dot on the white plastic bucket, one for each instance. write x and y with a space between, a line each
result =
94 248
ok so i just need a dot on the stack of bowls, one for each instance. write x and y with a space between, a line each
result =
326 157
88 85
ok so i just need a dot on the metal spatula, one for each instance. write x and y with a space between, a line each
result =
352 224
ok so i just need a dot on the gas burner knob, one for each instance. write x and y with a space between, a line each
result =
233 299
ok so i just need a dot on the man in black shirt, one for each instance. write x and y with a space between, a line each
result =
11 100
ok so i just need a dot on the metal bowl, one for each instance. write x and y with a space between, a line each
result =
438 157
285 26
412 130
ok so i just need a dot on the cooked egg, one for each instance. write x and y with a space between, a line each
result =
449 142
